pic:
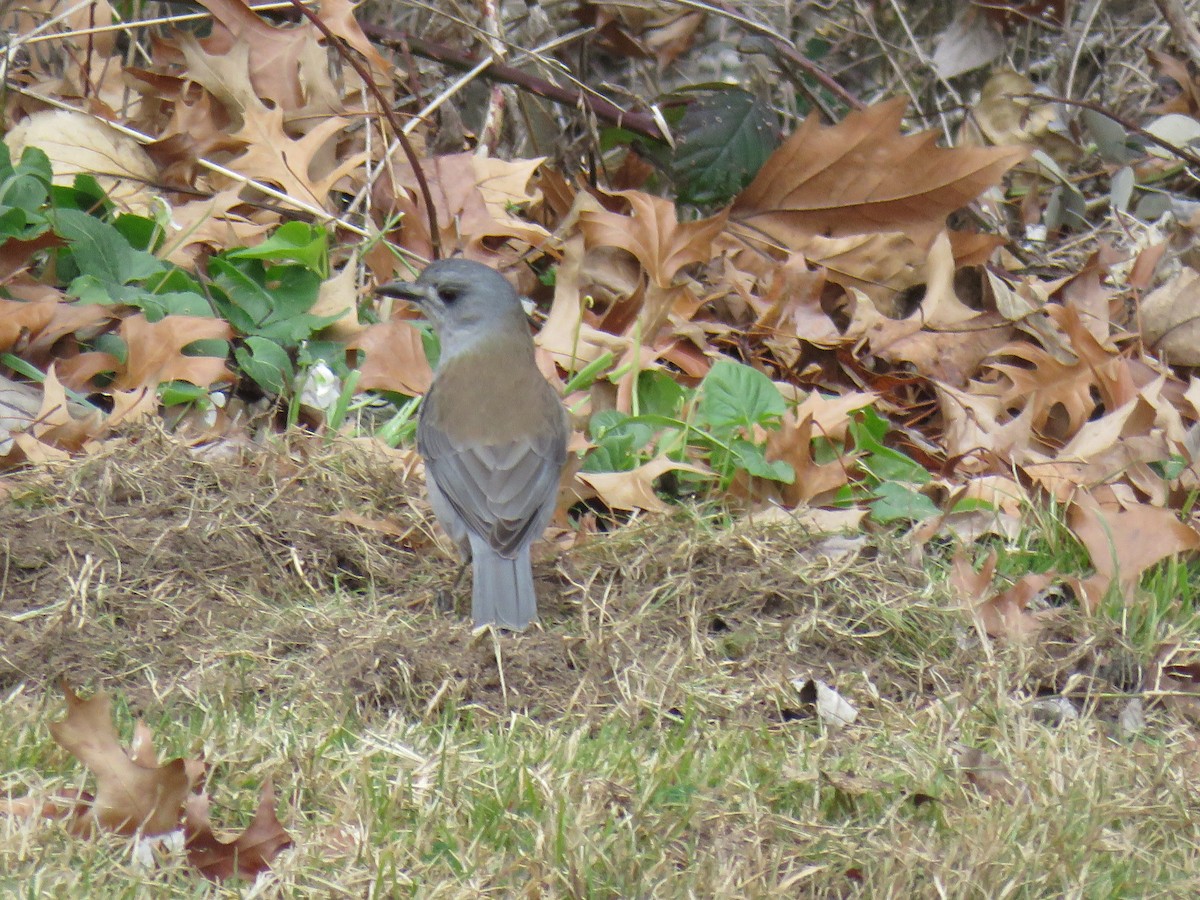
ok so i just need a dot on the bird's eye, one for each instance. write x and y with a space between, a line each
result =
448 293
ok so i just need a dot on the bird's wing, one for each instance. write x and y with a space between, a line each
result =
502 491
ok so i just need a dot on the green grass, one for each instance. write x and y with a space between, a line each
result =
648 742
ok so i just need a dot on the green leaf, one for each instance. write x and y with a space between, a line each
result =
24 190
618 438
298 242
897 501
883 463
268 302
734 396
267 363
721 143
752 458
173 393
139 231
84 195
34 164
103 256
658 394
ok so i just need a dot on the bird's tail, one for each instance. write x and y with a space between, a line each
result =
501 589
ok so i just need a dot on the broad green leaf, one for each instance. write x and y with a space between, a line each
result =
658 394
102 254
883 463
267 363
173 393
268 302
897 501
753 459
618 438
296 241
734 396
721 143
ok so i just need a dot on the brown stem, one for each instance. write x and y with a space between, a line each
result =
1182 152
638 122
790 53
1186 33
390 114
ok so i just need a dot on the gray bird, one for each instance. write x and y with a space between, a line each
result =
493 433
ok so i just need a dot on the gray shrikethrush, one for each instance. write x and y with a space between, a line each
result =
493 433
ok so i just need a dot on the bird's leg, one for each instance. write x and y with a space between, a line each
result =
445 596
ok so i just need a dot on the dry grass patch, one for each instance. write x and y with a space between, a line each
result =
647 740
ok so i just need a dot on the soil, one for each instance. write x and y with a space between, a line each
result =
153 567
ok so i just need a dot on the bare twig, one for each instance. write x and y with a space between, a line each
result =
783 47
1186 32
1182 152
390 114
639 122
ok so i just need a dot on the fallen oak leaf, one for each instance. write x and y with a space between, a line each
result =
247 856
999 614
156 352
395 360
130 796
1124 543
635 489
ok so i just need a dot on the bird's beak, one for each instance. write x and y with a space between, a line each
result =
403 290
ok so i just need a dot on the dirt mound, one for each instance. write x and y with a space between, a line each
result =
152 568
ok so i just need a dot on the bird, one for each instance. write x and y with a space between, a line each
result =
492 433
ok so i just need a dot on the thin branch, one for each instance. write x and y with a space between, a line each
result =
1182 152
390 114
638 122
783 47
1184 26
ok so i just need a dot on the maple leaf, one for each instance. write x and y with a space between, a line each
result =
653 234
475 199
131 796
862 176
248 855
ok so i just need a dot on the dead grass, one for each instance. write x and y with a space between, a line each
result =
647 741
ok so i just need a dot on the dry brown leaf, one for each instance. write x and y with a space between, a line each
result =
287 67
395 358
970 42
861 176
1170 318
338 296
155 352
1187 102
792 443
635 489
1002 614
130 796
1048 384
247 856
652 233
78 143
1123 543
475 199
